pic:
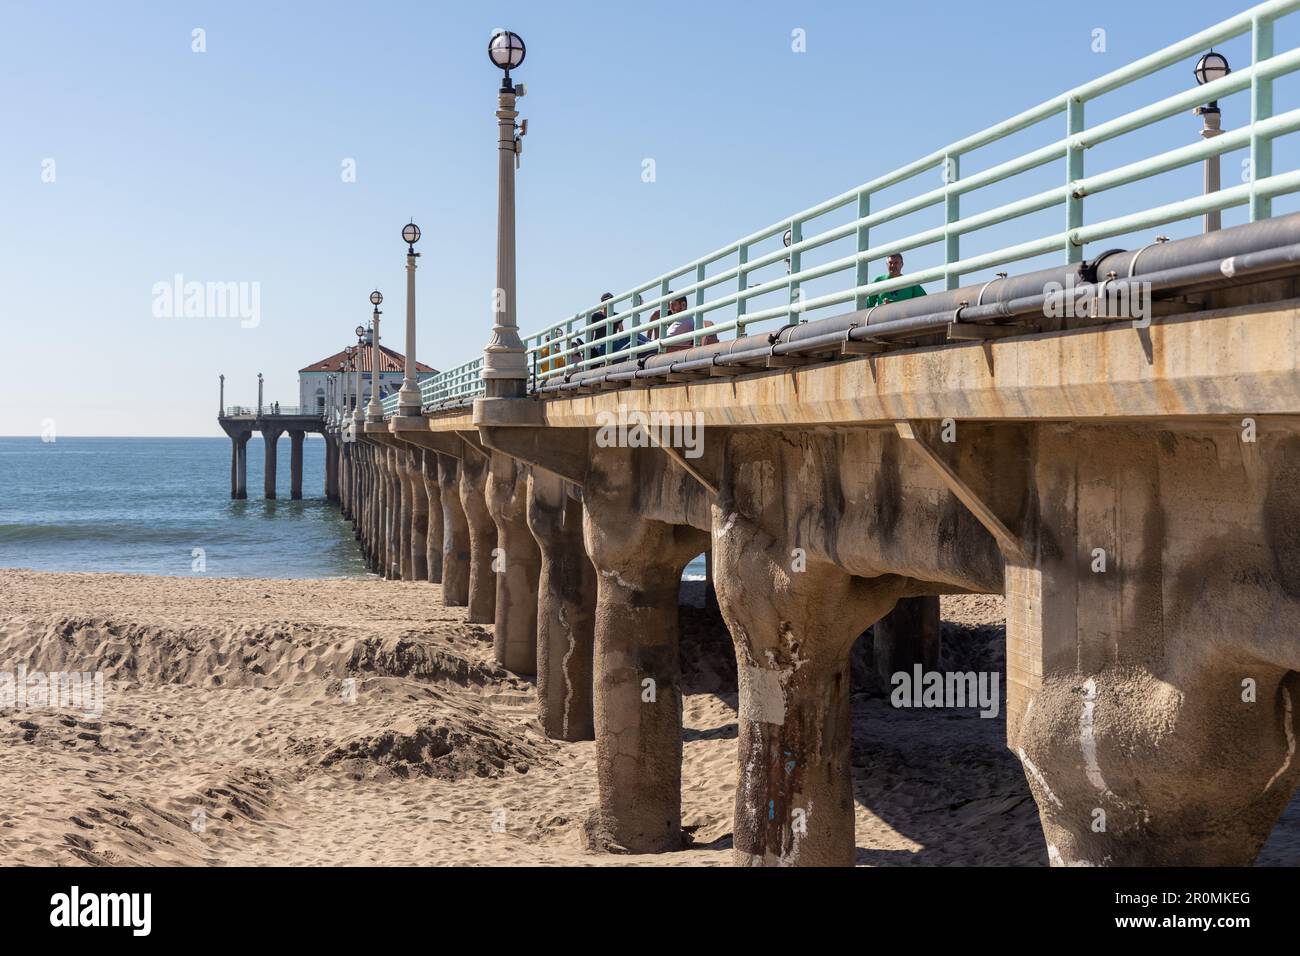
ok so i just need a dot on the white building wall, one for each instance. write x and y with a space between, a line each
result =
312 389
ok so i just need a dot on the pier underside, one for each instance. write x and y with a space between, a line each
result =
1133 491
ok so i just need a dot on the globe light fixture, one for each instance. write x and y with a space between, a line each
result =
411 235
506 50
376 297
1210 67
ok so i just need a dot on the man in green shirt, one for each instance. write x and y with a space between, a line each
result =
895 264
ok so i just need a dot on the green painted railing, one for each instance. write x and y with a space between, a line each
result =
580 341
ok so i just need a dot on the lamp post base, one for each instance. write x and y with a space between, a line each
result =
409 401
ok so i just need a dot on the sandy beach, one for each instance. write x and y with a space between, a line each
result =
337 723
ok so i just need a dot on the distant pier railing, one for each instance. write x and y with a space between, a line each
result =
725 278
272 410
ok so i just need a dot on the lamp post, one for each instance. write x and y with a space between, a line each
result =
259 394
505 367
408 399
375 411
357 417
221 407
347 374
1212 66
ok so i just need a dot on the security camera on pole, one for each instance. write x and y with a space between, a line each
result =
505 366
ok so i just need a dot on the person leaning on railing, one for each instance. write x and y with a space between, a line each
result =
895 265
684 325
551 364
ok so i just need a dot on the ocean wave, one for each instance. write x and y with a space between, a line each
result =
123 532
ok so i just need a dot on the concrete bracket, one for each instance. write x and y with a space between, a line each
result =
561 451
1010 543
445 443
472 440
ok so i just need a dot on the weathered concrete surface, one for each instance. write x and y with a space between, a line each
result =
455 534
413 478
482 537
427 460
639 559
404 532
566 609
1153 702
517 564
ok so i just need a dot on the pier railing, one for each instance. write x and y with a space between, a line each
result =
271 409
730 279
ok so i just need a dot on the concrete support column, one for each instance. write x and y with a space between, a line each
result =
1152 693
406 518
295 463
375 509
566 610
370 536
413 476
270 436
906 636
391 516
455 534
639 565
518 565
239 465
399 532
331 467
381 510
482 537
793 617
345 479
428 472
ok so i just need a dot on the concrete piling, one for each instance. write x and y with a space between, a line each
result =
566 609
516 565
482 536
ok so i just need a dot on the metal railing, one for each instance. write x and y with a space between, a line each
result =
272 408
589 337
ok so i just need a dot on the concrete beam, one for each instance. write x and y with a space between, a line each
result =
561 451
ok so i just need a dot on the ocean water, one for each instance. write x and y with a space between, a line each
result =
144 505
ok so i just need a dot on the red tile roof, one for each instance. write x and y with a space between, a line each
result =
389 361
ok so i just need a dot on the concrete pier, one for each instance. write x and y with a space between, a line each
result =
1132 493
240 424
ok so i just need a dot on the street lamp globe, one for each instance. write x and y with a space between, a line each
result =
786 238
361 331
411 233
1210 67
506 50
376 297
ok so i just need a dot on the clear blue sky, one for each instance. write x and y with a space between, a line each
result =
225 165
